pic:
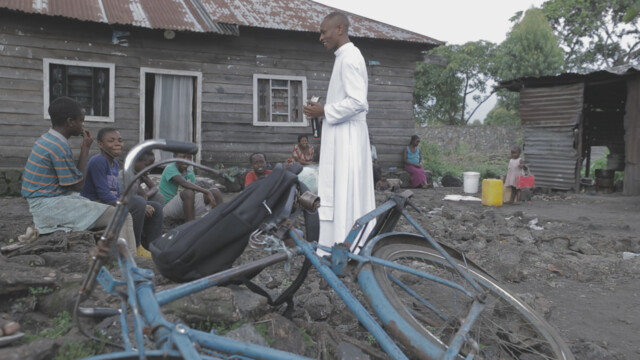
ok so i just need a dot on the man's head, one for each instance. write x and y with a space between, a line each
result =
258 163
182 167
67 115
334 31
145 159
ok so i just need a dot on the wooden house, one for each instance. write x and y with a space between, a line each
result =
563 116
230 75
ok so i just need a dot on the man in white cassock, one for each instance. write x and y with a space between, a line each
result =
345 179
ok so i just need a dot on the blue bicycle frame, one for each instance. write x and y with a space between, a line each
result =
138 295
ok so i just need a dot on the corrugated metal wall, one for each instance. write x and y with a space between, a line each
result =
632 138
550 117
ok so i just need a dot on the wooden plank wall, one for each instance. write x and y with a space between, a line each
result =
227 64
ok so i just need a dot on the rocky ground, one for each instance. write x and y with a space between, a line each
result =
563 248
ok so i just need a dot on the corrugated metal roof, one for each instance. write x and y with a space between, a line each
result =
569 78
216 16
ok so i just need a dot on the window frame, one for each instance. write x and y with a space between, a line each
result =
256 78
91 64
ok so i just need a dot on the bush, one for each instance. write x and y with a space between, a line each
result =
455 162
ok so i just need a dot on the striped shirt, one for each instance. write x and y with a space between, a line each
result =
50 167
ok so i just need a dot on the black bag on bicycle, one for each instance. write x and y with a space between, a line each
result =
212 243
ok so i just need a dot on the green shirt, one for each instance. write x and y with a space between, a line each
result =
169 188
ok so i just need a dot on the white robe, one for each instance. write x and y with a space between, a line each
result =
345 179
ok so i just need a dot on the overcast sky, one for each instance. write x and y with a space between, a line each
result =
452 21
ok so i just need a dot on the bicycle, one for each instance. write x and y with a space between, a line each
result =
429 301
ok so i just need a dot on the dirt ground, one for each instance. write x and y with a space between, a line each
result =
565 248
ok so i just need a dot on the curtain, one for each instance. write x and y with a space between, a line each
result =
173 109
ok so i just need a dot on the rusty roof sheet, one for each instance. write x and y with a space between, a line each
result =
569 78
216 16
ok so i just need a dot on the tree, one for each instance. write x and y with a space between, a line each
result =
530 49
596 34
441 93
501 116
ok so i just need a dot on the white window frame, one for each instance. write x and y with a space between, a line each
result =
257 77
198 109
92 64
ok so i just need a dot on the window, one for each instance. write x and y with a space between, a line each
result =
90 83
278 100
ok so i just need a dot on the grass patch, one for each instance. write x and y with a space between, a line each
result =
61 325
78 351
460 159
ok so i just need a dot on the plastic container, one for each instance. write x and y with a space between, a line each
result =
471 180
492 192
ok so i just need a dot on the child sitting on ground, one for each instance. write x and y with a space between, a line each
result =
515 168
259 164
101 185
51 179
193 200
151 193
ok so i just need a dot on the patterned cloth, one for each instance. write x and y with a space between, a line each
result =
297 153
71 212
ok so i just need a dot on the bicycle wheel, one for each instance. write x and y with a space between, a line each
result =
507 328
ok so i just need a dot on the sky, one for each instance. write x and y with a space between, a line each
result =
452 21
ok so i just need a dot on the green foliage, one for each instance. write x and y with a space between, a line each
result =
41 290
462 159
371 340
595 34
502 116
530 49
441 92
61 325
600 163
78 351
308 340
263 329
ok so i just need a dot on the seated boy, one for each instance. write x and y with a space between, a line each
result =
259 164
51 179
193 200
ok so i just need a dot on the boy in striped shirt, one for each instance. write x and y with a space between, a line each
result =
51 179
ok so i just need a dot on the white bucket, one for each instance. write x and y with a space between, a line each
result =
471 180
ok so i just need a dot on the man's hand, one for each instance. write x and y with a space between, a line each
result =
148 211
314 109
87 139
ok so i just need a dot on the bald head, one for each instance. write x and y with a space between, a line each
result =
334 31
337 18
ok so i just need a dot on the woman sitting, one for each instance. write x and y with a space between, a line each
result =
413 163
303 152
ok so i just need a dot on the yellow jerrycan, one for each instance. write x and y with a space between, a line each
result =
492 192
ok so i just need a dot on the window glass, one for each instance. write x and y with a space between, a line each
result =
279 100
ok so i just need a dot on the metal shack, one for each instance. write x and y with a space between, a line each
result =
563 116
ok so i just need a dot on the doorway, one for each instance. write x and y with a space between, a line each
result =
170 107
